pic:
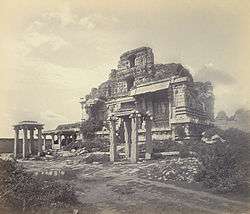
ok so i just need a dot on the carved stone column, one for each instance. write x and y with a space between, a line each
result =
59 139
113 139
24 141
39 140
148 136
31 142
170 105
44 142
173 135
127 136
134 136
16 142
52 141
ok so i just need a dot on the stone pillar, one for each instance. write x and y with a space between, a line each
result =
31 143
44 142
59 139
149 102
16 142
39 140
24 141
170 107
52 141
134 137
173 132
113 139
148 137
127 136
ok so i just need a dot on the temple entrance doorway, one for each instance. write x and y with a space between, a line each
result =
130 123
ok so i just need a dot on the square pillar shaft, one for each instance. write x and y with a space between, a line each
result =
134 139
127 136
44 142
149 146
59 139
52 141
39 140
24 142
16 142
31 143
113 141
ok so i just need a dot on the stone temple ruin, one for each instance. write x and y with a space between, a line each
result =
28 146
142 101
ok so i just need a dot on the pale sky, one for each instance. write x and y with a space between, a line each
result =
53 52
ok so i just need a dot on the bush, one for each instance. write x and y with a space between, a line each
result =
225 164
90 145
89 127
19 189
96 157
184 152
165 146
180 132
96 144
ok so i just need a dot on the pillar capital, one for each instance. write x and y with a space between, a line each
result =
112 118
135 114
16 128
148 116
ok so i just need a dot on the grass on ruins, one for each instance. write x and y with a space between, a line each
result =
21 190
226 162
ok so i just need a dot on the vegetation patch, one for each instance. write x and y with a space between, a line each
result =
22 190
225 159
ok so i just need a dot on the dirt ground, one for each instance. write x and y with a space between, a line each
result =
116 188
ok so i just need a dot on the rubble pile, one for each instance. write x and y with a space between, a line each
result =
174 169
7 157
96 157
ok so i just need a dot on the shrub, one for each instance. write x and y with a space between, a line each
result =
184 152
166 145
96 144
225 164
89 144
19 189
180 132
89 127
